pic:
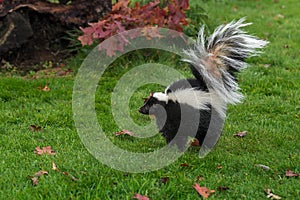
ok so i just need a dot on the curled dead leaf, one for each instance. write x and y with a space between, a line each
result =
54 167
290 173
270 195
70 176
222 188
36 128
140 197
219 166
34 180
124 132
203 191
240 134
44 150
164 180
184 165
195 142
45 88
40 173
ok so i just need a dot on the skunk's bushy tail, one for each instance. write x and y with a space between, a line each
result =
216 58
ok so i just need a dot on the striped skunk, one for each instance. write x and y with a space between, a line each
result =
185 108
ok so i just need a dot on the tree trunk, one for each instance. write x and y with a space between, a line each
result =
37 29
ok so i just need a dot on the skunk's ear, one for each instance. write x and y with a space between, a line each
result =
150 95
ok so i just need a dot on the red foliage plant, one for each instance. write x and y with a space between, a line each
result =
125 17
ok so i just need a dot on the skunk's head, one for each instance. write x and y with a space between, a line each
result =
154 102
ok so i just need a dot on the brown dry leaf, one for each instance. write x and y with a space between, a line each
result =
34 180
54 167
35 177
40 173
270 195
140 197
184 165
195 142
44 150
203 191
290 173
278 17
124 132
240 134
222 188
219 166
36 128
45 88
200 178
71 177
164 180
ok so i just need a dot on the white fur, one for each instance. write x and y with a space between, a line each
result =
198 99
211 57
161 96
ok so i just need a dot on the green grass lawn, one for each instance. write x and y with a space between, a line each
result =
270 113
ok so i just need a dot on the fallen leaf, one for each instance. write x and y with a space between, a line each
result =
235 8
270 195
240 134
267 65
124 132
35 177
222 188
71 177
290 173
265 167
203 191
40 173
34 180
54 167
45 88
219 166
36 128
164 180
278 17
44 150
286 46
200 178
195 142
140 197
184 165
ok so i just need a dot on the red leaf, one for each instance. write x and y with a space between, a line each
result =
290 173
140 197
240 134
44 150
125 17
124 132
203 191
184 165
